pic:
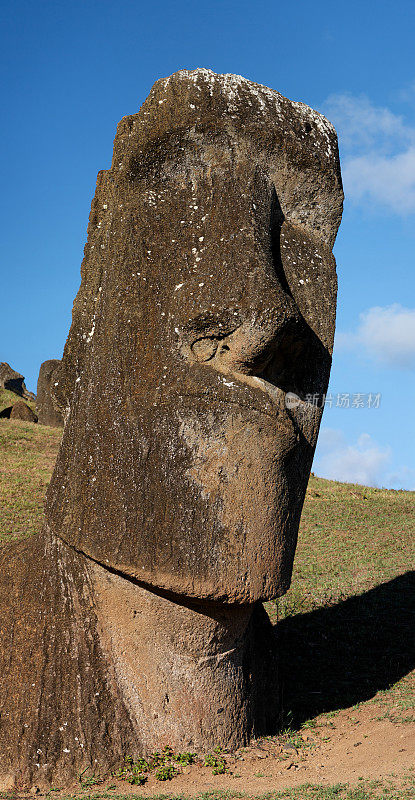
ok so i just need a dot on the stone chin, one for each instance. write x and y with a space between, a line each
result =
238 478
214 494
240 471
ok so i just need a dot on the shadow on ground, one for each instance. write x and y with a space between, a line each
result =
335 657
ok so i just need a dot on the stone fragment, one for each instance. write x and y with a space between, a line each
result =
47 413
21 410
11 380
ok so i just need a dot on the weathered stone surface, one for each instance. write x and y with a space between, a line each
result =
208 292
47 413
21 410
11 380
80 667
207 301
61 711
192 673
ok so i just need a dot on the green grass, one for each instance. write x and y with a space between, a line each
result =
8 399
345 630
346 625
164 765
386 789
351 539
28 453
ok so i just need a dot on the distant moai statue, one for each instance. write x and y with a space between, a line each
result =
13 381
47 413
191 384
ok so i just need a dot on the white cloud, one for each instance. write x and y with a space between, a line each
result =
378 165
361 124
386 180
407 94
364 461
385 334
402 478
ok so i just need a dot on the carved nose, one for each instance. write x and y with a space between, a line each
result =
254 344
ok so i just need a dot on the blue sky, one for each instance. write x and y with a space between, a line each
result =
72 70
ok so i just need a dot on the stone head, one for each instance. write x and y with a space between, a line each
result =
200 347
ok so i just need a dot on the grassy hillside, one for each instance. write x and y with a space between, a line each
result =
352 594
10 398
27 456
351 539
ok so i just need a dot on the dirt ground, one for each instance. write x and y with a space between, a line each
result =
354 744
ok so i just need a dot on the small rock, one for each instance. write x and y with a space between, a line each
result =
258 754
22 411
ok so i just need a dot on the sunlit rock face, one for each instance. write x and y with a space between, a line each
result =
208 294
47 413
13 381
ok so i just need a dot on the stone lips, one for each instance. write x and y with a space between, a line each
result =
214 225
47 413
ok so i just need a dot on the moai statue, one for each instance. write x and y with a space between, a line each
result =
13 381
191 385
47 413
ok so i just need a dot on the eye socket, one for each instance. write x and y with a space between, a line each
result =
204 349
